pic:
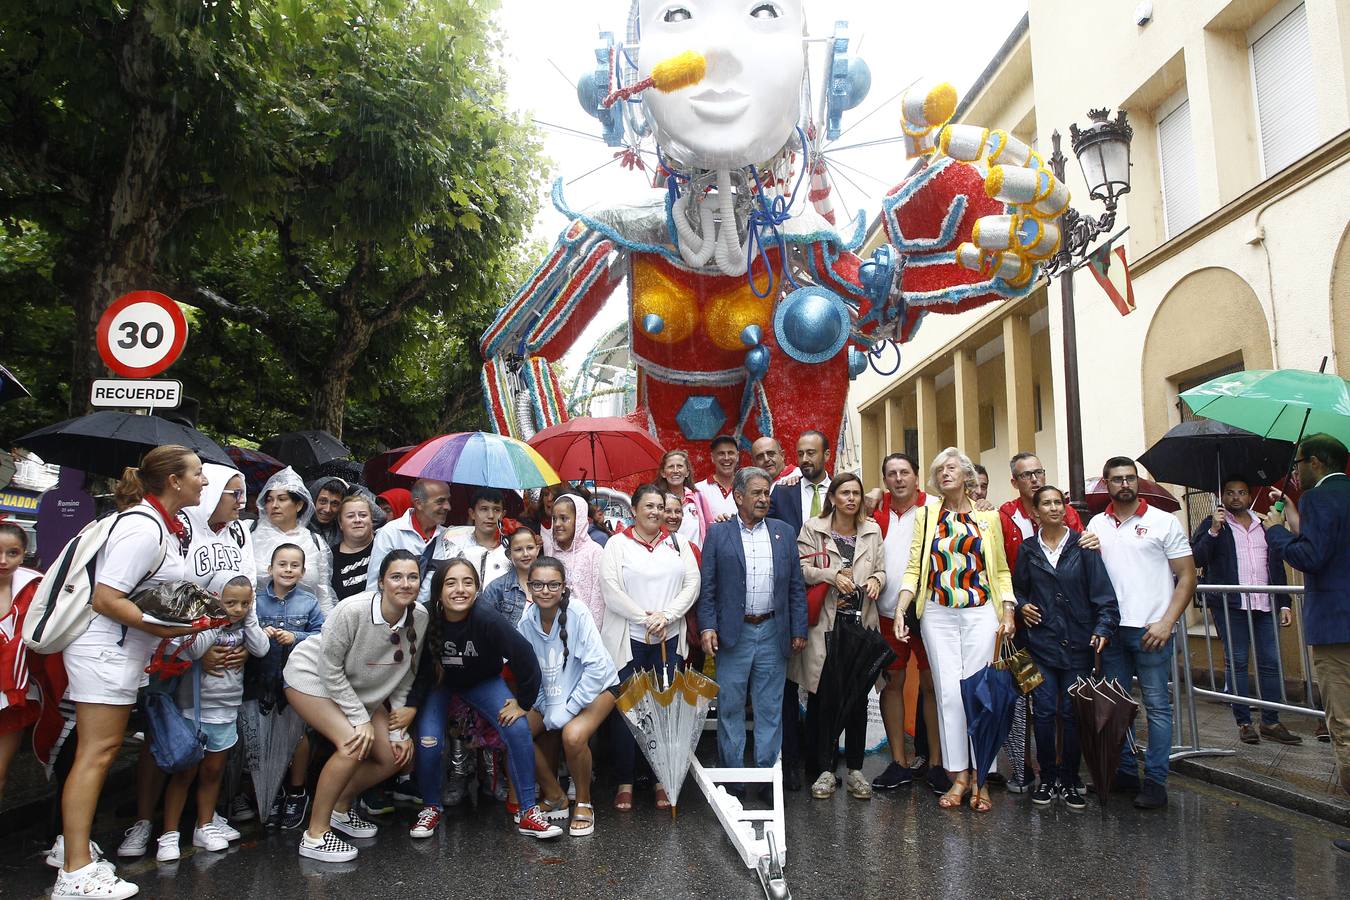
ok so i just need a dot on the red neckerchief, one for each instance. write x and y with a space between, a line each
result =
176 528
882 514
787 470
418 528
1138 511
661 535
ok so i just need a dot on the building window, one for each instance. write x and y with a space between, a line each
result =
988 435
912 443
1282 76
1036 402
1176 159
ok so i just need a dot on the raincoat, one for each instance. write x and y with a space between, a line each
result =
318 577
582 560
229 548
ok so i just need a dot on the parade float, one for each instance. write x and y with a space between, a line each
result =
750 308
750 304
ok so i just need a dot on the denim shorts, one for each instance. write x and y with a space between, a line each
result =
220 736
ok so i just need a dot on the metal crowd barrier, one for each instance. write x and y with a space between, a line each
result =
1186 692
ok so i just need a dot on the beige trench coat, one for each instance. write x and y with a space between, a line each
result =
869 561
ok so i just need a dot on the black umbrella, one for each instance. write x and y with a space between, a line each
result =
107 442
1201 453
305 449
855 656
10 388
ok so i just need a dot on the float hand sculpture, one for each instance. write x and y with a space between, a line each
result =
749 311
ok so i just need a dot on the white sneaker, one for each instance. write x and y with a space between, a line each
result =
227 831
94 880
329 848
168 848
824 786
352 825
56 856
137 839
208 838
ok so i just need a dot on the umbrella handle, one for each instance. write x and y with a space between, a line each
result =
664 673
1097 666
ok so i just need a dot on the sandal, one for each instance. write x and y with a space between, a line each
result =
980 802
583 823
955 795
623 801
662 799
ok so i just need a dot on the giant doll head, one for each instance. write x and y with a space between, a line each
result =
749 101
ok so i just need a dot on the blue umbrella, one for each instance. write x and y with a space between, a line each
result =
988 696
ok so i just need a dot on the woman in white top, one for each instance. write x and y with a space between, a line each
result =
284 510
106 664
649 580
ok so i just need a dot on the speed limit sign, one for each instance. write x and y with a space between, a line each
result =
141 334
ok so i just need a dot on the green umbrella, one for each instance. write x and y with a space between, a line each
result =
1284 404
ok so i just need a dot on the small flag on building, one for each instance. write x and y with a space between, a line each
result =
1114 279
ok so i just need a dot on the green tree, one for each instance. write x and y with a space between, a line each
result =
332 184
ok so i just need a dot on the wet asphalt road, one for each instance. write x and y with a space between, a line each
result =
1207 843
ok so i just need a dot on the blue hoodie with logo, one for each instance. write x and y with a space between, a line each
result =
569 687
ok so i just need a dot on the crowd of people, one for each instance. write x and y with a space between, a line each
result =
408 653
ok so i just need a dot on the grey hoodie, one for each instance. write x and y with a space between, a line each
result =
211 551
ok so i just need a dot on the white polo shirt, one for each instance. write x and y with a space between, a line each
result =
1137 553
717 501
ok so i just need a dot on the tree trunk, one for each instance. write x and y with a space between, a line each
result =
330 400
124 243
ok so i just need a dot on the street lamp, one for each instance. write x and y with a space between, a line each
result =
1103 151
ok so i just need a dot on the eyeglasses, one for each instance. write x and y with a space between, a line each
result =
1302 459
545 585
1032 473
238 495
1123 479
396 639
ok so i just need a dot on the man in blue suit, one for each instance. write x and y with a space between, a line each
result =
793 504
753 609
1316 541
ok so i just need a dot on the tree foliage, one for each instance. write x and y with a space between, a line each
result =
333 185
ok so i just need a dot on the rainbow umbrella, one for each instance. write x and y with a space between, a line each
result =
477 457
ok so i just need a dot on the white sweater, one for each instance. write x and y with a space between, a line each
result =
636 581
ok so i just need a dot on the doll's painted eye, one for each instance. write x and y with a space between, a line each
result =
678 14
765 11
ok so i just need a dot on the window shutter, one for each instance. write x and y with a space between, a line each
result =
1286 102
1180 189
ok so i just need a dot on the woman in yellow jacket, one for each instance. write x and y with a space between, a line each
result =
961 587
842 548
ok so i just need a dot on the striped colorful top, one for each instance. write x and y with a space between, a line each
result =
958 578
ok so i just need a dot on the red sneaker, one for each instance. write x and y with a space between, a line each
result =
513 810
427 820
533 823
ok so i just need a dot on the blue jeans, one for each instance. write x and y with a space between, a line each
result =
645 656
1050 702
1238 636
486 698
756 668
1125 659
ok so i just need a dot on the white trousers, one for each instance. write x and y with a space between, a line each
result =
960 642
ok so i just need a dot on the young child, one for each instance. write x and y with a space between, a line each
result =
288 615
18 698
221 694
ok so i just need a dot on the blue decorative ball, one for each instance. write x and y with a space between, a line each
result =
757 361
811 324
857 362
752 335
653 324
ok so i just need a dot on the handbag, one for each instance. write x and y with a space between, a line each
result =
175 743
1019 664
816 593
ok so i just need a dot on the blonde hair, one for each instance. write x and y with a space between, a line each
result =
152 475
967 468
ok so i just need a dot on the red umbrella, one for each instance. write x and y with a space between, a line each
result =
1098 499
598 449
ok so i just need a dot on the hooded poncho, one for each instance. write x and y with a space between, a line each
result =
211 551
267 537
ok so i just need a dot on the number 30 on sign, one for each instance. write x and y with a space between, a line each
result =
141 334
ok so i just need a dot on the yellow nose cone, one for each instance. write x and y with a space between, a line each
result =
682 71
